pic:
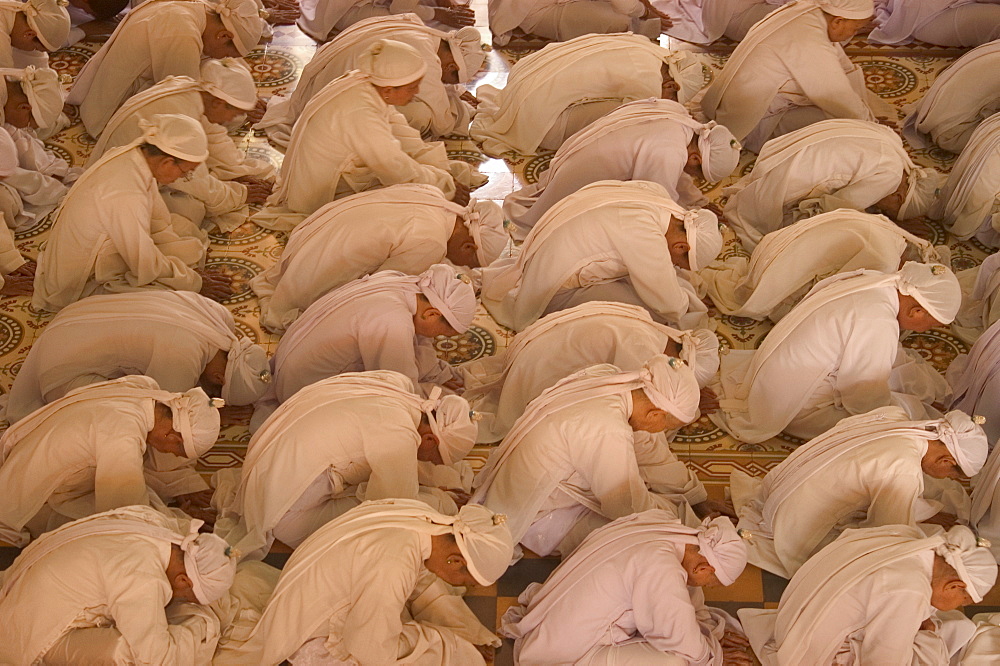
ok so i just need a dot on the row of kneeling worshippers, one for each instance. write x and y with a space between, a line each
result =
606 270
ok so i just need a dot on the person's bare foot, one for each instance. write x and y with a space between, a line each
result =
216 286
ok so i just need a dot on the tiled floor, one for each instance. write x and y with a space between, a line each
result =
899 76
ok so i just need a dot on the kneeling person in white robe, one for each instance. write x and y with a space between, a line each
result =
30 29
942 22
829 165
556 92
837 353
788 262
871 597
109 445
562 20
384 321
632 593
179 339
113 231
281 496
879 460
654 139
572 462
610 241
406 228
367 589
107 581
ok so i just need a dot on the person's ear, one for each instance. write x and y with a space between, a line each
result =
183 581
428 440
430 314
916 312
694 159
218 376
681 247
470 246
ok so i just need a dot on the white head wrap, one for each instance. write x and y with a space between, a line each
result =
229 80
934 286
44 92
8 154
686 70
849 9
924 187
720 151
485 542
48 18
468 50
702 229
207 562
243 19
671 385
451 294
724 548
484 220
389 63
451 421
196 418
179 136
247 373
702 355
973 562
965 440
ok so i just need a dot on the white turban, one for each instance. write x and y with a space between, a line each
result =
49 19
719 149
724 548
8 154
229 80
389 63
207 562
703 355
45 95
485 542
924 187
934 286
702 229
468 50
450 293
973 562
179 136
670 384
686 71
849 9
484 220
247 373
196 418
243 19
451 422
965 440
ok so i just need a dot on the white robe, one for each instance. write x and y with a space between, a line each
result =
169 336
349 140
576 469
969 202
983 648
322 18
346 609
817 169
974 378
41 179
561 89
619 592
704 21
789 261
401 228
960 98
562 20
113 233
641 140
943 22
605 242
436 110
99 581
154 41
785 65
305 465
371 333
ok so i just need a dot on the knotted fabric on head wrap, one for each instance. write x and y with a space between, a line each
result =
670 384
924 187
231 81
8 155
723 547
484 220
686 71
243 19
934 286
449 293
44 93
849 9
965 440
720 151
700 350
468 50
450 418
974 563
196 418
389 63
179 136
48 18
247 373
